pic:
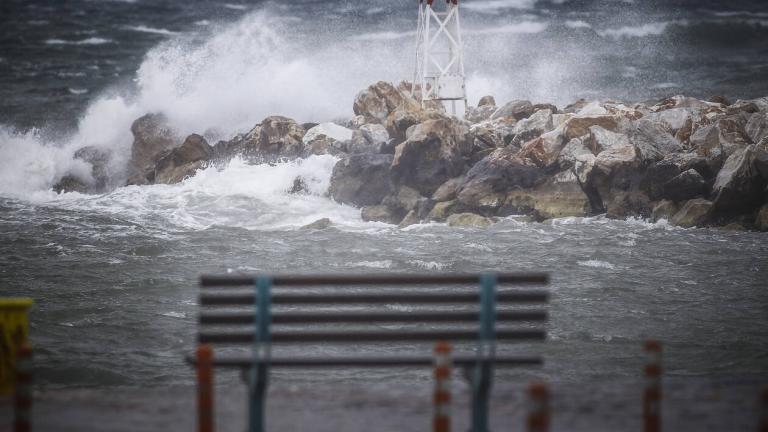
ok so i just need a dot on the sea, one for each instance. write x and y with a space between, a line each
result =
114 275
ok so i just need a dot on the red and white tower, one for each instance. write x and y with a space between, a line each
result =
440 54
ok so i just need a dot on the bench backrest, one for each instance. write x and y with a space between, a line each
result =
238 310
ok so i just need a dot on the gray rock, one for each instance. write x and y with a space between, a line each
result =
486 101
433 153
379 213
739 187
534 126
480 114
411 218
517 109
665 209
687 185
694 213
280 137
442 210
361 179
757 126
183 161
544 150
326 138
652 142
319 224
448 190
468 220
628 204
151 136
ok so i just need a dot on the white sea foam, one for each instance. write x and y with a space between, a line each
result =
494 6
88 41
574 24
596 264
638 31
384 264
525 27
145 29
429 265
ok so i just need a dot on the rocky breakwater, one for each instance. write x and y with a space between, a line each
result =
689 161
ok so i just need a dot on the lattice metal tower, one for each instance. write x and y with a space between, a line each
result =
439 54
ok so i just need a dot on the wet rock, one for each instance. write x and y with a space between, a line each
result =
183 161
629 204
375 139
326 138
361 179
486 101
686 161
558 197
280 136
406 199
299 186
379 100
151 136
657 176
761 222
486 184
537 124
652 142
673 120
442 210
573 152
71 183
664 209
579 126
411 218
694 213
468 220
716 142
739 186
517 109
757 126
485 139
319 224
448 190
687 185
480 114
680 101
544 150
433 153
379 213
99 160
614 151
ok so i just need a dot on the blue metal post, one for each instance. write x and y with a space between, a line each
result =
486 350
261 353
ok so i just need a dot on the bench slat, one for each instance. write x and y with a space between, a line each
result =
367 317
235 299
369 336
366 361
208 281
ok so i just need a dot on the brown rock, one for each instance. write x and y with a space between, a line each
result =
183 161
696 212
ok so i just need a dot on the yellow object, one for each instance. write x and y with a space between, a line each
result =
14 330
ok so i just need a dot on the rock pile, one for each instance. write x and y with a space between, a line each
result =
692 162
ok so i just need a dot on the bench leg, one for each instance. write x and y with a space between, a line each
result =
481 389
257 399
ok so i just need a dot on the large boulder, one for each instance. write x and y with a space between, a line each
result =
652 142
183 161
379 213
516 109
757 127
326 138
739 186
433 153
527 129
486 185
151 136
717 141
375 139
559 196
694 213
379 100
468 220
442 210
685 186
665 209
580 125
361 179
99 160
280 137
544 150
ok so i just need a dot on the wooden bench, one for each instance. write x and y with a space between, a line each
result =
473 307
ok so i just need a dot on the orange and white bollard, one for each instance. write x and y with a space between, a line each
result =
442 398
763 414
204 388
652 393
23 394
538 409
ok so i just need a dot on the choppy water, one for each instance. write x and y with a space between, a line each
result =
114 275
